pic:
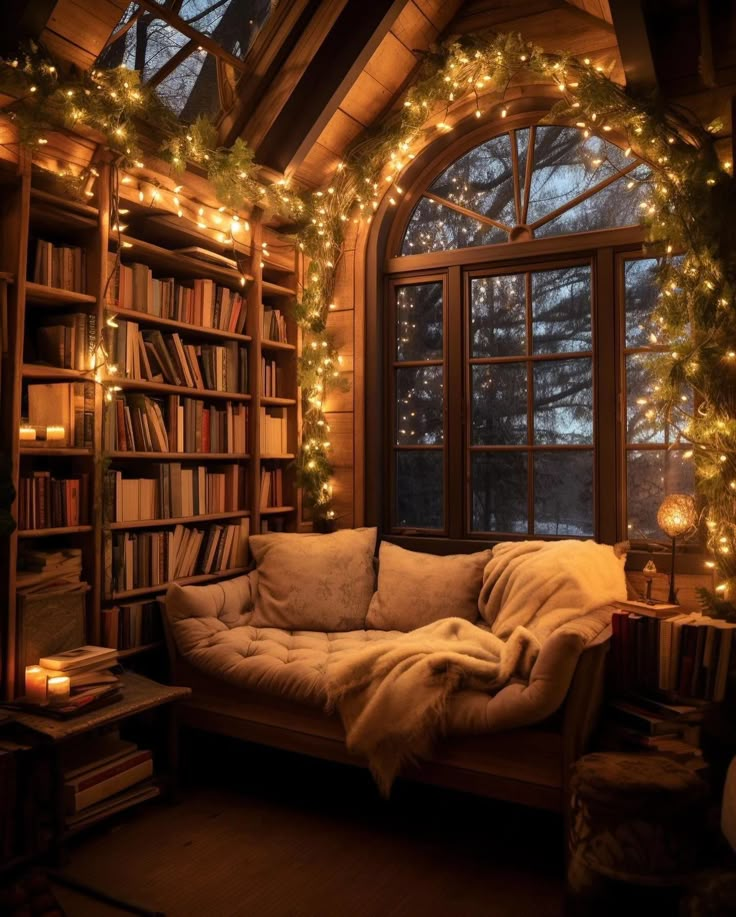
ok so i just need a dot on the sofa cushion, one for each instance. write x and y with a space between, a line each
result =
314 582
415 589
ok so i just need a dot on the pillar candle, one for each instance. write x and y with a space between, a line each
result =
58 688
35 684
27 434
55 434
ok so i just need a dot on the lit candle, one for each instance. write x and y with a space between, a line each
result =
55 434
58 688
27 434
35 684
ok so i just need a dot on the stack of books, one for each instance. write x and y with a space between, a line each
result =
272 488
49 571
49 502
273 431
686 655
131 625
274 325
155 357
137 423
93 684
133 286
60 266
271 378
69 341
647 724
103 775
176 491
143 559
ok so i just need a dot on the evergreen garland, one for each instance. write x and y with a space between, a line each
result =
688 210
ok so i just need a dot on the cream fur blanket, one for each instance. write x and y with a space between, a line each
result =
393 697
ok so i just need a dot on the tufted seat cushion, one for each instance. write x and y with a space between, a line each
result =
214 632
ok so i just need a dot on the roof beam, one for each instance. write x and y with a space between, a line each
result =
324 82
633 42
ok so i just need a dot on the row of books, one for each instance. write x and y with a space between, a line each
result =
689 655
176 491
204 303
70 405
138 423
60 266
49 502
274 434
274 325
131 625
272 488
156 357
143 559
45 570
68 342
103 775
271 378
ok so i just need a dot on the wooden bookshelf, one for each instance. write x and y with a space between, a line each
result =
29 213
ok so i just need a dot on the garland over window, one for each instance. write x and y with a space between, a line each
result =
689 208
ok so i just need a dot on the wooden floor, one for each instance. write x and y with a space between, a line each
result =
266 834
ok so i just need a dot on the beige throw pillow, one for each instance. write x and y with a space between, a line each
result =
314 582
416 589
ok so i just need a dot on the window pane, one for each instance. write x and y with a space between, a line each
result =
499 495
567 164
434 228
563 402
563 493
482 180
561 310
419 325
499 404
640 290
420 489
642 423
618 204
651 475
498 316
419 406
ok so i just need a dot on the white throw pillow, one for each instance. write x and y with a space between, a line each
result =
415 589
314 582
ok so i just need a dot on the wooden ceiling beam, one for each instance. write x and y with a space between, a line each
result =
633 41
324 83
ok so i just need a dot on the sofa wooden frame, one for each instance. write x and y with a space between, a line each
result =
529 765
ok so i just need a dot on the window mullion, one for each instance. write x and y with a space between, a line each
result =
456 404
605 348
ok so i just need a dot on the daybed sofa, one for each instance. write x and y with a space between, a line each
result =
259 651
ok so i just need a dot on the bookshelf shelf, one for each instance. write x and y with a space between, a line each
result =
137 650
179 265
180 456
46 198
42 295
56 453
145 318
276 510
277 345
141 385
275 289
70 832
277 457
50 373
62 530
186 581
180 520
283 402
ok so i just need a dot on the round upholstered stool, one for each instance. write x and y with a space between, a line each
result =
635 827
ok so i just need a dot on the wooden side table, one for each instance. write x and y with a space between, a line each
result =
139 696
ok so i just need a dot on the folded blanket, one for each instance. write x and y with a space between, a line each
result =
393 697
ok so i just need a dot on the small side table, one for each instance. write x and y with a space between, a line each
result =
139 696
636 823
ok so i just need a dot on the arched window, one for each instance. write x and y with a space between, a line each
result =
518 313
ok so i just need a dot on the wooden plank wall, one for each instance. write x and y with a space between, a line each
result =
77 30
